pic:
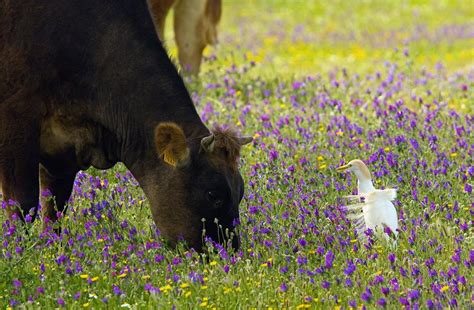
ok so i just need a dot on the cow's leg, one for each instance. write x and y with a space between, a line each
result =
189 33
60 185
159 10
19 172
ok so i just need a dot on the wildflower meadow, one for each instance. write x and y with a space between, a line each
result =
316 84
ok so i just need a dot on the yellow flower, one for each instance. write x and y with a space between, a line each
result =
387 149
203 304
84 276
122 275
453 154
303 306
187 294
339 133
94 279
227 290
322 167
213 263
184 285
320 157
444 288
204 287
86 305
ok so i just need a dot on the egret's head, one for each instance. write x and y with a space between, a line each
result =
358 167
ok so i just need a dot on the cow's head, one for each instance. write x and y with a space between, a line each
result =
200 186
195 27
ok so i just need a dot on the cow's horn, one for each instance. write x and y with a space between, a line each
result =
245 140
207 143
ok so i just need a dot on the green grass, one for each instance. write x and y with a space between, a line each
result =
313 124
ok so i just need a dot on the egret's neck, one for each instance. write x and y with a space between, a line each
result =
364 184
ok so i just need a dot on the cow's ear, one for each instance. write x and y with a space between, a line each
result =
171 144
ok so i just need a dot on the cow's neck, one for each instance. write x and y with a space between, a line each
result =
140 88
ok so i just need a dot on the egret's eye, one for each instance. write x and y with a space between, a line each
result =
215 198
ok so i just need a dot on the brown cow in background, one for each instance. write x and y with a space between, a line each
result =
195 26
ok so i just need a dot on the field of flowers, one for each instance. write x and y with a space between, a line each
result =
389 82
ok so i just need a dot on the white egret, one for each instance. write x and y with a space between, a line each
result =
374 208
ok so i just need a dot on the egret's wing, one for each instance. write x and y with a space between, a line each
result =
388 194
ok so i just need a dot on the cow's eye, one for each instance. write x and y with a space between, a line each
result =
215 198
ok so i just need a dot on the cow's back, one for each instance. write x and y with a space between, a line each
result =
67 48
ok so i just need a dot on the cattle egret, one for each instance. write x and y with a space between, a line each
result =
374 208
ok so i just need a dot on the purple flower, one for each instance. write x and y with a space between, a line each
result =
468 188
382 302
453 302
176 260
350 269
14 302
391 258
403 301
302 260
117 290
302 242
77 295
366 295
414 144
414 294
17 283
325 284
328 259
61 302
283 287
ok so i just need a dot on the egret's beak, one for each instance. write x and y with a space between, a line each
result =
342 168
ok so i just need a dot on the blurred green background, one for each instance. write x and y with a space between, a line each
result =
308 37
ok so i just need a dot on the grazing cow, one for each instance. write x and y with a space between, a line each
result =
87 83
195 26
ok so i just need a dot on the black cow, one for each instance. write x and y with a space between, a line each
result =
87 83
